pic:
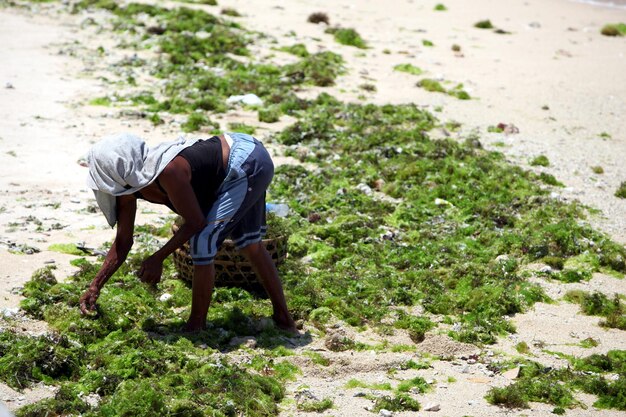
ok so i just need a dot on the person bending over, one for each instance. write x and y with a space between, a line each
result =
216 185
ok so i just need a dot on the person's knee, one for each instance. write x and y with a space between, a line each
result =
252 250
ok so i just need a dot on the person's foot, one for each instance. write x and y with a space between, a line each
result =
193 326
286 324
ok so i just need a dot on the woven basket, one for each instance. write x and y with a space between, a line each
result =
231 268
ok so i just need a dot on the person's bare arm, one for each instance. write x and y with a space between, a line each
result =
126 210
176 180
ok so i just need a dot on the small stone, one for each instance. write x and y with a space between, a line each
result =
432 407
535 25
465 370
92 399
359 394
49 261
364 188
511 373
472 402
379 184
165 296
243 341
9 86
9 312
502 258
337 341
471 361
385 413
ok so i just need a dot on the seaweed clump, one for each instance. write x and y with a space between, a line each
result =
598 304
205 59
130 356
408 68
621 190
432 85
435 242
557 386
484 24
347 36
318 17
618 29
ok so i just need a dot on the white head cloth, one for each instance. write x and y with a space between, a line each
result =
123 164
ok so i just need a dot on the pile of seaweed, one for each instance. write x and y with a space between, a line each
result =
389 219
203 60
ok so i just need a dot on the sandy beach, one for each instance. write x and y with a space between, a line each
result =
552 75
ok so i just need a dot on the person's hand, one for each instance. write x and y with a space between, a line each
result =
88 300
150 271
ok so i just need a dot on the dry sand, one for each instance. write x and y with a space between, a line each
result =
554 58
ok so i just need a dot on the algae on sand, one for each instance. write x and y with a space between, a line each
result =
557 386
389 219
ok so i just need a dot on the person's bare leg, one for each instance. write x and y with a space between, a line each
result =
201 293
267 273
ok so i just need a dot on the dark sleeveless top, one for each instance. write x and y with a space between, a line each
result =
207 171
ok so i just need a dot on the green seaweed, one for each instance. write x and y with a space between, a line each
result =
242 128
315 405
540 160
381 386
347 36
67 248
297 49
229 11
132 356
417 384
598 304
484 24
400 402
196 121
621 190
408 68
200 71
49 358
558 386
388 219
429 84
617 29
